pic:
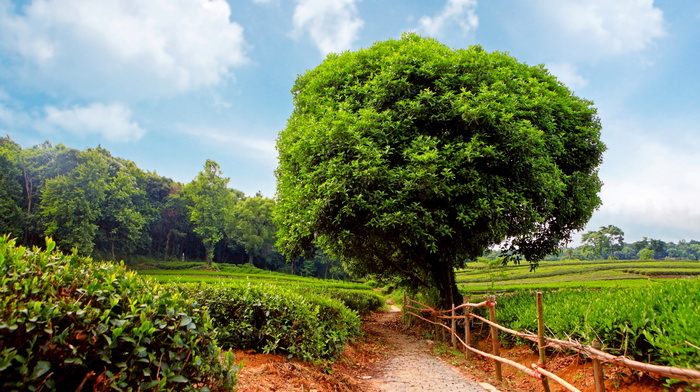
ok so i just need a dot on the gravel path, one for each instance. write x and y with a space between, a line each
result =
411 367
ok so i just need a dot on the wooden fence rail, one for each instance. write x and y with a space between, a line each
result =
426 313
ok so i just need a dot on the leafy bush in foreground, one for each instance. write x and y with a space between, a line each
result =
271 318
70 323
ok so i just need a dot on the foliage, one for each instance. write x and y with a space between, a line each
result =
251 224
71 203
69 323
360 301
271 318
10 188
605 241
408 157
124 216
654 323
210 201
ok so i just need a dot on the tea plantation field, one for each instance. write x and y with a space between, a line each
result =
482 277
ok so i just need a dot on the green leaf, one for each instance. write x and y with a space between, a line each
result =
185 321
41 368
179 378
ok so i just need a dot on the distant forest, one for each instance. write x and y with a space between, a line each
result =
108 208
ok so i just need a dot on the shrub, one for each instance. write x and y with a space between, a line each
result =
361 301
271 318
70 323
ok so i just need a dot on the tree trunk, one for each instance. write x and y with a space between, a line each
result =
209 253
444 277
167 244
250 258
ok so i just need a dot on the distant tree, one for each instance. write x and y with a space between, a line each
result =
659 248
210 201
251 225
173 224
597 241
407 158
124 215
71 203
646 254
11 195
40 164
322 266
628 253
605 241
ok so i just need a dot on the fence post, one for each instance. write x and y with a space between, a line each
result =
494 340
453 331
598 375
467 329
540 339
403 310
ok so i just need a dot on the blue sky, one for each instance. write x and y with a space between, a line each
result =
171 83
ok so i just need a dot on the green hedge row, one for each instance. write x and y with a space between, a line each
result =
361 301
654 323
271 318
70 323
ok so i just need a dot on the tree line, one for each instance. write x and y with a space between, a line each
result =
608 242
107 207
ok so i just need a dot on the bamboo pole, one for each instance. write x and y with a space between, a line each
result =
494 340
403 309
540 340
555 378
453 330
467 329
598 375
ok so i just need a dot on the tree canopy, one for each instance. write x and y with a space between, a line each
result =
407 158
211 200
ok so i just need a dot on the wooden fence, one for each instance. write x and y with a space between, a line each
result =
439 318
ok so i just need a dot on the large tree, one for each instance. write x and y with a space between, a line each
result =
408 157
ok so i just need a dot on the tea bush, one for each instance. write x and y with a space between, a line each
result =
361 301
654 323
71 323
271 318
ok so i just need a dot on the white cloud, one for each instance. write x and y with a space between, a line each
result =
6 115
568 74
100 48
260 149
332 25
460 12
113 122
603 27
661 193
650 177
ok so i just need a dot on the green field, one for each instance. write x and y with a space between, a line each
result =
479 277
188 272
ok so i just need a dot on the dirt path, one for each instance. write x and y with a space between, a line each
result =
387 359
410 366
